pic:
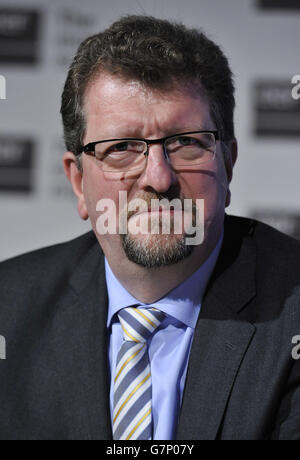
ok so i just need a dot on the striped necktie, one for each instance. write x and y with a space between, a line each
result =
132 417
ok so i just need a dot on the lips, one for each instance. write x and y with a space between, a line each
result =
151 211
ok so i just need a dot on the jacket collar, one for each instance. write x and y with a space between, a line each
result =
83 362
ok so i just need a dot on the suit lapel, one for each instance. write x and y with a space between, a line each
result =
84 363
217 353
221 338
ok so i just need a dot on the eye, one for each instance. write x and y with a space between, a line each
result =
183 142
121 147
126 146
186 140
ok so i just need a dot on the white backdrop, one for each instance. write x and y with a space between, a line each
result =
263 46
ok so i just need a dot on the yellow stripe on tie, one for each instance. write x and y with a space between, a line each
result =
130 336
130 396
138 424
127 361
146 318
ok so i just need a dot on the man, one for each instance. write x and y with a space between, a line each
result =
145 334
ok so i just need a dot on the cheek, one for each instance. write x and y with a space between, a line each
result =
97 186
211 186
215 199
93 191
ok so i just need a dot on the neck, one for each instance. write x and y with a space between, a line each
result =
149 285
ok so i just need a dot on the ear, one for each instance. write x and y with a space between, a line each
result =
76 178
230 151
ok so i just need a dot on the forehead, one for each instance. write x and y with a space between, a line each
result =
122 107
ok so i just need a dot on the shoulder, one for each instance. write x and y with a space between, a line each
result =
39 269
266 238
276 255
33 285
72 248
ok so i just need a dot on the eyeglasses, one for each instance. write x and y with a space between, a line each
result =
128 154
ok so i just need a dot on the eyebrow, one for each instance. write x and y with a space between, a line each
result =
167 133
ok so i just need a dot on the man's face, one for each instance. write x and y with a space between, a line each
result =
116 109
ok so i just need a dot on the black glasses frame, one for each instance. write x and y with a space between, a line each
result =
90 149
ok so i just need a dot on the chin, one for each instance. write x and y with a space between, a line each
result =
154 251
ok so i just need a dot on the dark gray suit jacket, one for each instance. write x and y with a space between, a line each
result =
242 381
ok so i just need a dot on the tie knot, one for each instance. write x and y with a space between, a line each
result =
139 324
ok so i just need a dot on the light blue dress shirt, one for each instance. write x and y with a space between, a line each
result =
170 346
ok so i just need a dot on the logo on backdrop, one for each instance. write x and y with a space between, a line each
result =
19 35
277 107
16 164
72 25
279 4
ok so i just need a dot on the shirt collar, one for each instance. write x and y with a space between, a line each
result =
183 302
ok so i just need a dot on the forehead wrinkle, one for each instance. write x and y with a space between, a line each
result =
107 91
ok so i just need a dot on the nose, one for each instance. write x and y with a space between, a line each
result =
158 173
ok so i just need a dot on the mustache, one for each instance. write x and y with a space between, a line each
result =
171 194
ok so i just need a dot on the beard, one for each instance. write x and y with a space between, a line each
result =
157 250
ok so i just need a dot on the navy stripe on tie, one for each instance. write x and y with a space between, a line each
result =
136 325
130 376
137 406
